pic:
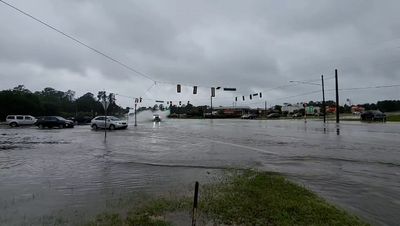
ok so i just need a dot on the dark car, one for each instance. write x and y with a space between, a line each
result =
54 121
81 120
373 116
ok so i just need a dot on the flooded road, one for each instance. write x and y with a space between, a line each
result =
75 174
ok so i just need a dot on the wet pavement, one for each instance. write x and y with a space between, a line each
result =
74 173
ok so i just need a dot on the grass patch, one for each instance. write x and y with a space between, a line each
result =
393 118
241 198
150 213
262 198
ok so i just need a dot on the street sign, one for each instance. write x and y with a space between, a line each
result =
229 89
105 104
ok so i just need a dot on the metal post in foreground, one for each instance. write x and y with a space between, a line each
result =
196 195
323 98
337 96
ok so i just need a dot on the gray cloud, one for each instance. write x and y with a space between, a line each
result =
250 45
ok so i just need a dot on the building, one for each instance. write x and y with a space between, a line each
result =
231 112
311 110
290 109
357 109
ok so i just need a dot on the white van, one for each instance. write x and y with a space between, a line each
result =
20 120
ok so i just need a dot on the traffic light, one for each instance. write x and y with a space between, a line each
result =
178 88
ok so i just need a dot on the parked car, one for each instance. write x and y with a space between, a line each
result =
274 115
297 115
373 116
20 120
109 122
81 119
249 116
54 121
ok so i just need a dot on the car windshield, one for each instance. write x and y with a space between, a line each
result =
60 118
112 118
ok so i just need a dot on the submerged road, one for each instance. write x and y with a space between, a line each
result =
74 173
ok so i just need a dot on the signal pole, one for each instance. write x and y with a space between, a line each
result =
337 96
135 115
211 116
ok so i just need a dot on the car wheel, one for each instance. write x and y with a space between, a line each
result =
94 126
40 126
13 124
112 127
61 126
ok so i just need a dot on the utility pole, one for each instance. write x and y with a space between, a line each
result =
337 96
323 98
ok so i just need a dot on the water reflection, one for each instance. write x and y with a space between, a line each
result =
156 124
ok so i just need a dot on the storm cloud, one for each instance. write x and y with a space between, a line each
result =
251 45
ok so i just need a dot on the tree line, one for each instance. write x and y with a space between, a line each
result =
49 101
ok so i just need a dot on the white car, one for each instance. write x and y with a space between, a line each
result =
109 122
156 118
20 120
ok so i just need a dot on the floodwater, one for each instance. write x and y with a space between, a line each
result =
74 173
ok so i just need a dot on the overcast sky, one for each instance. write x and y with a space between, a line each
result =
251 45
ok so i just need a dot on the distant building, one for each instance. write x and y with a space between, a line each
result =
330 109
231 112
311 110
292 108
357 109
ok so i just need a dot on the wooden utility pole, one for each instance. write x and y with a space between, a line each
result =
323 98
337 96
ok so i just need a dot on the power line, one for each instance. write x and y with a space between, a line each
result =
79 42
119 62
371 87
